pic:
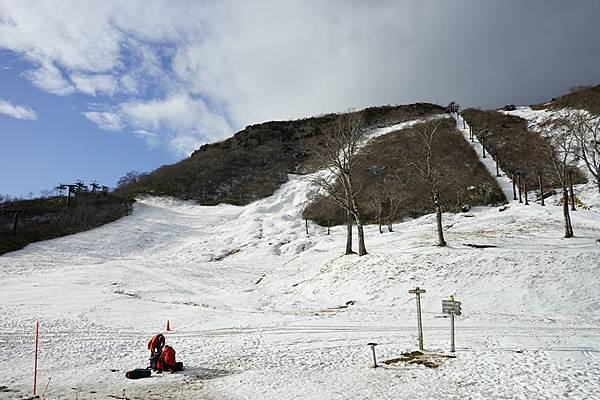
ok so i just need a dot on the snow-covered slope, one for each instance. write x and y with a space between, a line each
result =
502 179
258 307
587 192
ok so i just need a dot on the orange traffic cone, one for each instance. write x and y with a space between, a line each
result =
168 326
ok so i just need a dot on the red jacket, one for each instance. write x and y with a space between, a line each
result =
156 343
167 358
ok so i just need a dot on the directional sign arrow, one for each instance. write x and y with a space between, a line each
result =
451 307
416 290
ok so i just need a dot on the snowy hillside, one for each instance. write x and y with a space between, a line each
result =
260 309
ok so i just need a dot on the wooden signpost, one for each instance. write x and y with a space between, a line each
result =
418 292
452 308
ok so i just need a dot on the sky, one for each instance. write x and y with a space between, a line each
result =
94 89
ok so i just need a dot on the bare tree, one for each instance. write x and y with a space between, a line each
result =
395 195
386 193
561 150
376 192
338 151
45 193
428 168
586 127
376 198
130 178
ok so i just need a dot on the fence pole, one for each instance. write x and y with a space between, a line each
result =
35 367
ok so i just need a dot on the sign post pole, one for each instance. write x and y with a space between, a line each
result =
452 308
417 291
452 349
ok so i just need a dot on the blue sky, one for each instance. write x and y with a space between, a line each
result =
61 145
92 89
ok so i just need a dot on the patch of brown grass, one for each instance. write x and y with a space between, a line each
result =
584 99
464 179
518 148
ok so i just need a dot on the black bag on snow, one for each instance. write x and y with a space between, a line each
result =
178 366
138 373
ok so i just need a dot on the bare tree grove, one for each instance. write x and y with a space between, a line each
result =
562 151
586 128
338 152
427 167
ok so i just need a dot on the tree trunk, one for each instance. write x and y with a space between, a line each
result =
362 250
390 217
438 210
15 223
567 217
379 220
348 233
571 191
541 188
328 226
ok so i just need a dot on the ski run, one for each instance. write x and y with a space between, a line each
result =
261 310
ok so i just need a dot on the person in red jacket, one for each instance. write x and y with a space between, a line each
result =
167 361
155 347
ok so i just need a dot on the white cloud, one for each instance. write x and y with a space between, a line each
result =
194 71
151 138
74 35
187 122
93 84
50 79
19 112
105 120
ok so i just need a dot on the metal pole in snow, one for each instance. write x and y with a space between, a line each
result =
37 335
420 322
418 291
372 345
452 349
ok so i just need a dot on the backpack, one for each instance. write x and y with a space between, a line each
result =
138 373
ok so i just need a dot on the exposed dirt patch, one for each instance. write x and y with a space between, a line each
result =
430 360
223 256
5 389
124 293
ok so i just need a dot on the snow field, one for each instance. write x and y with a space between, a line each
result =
529 330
